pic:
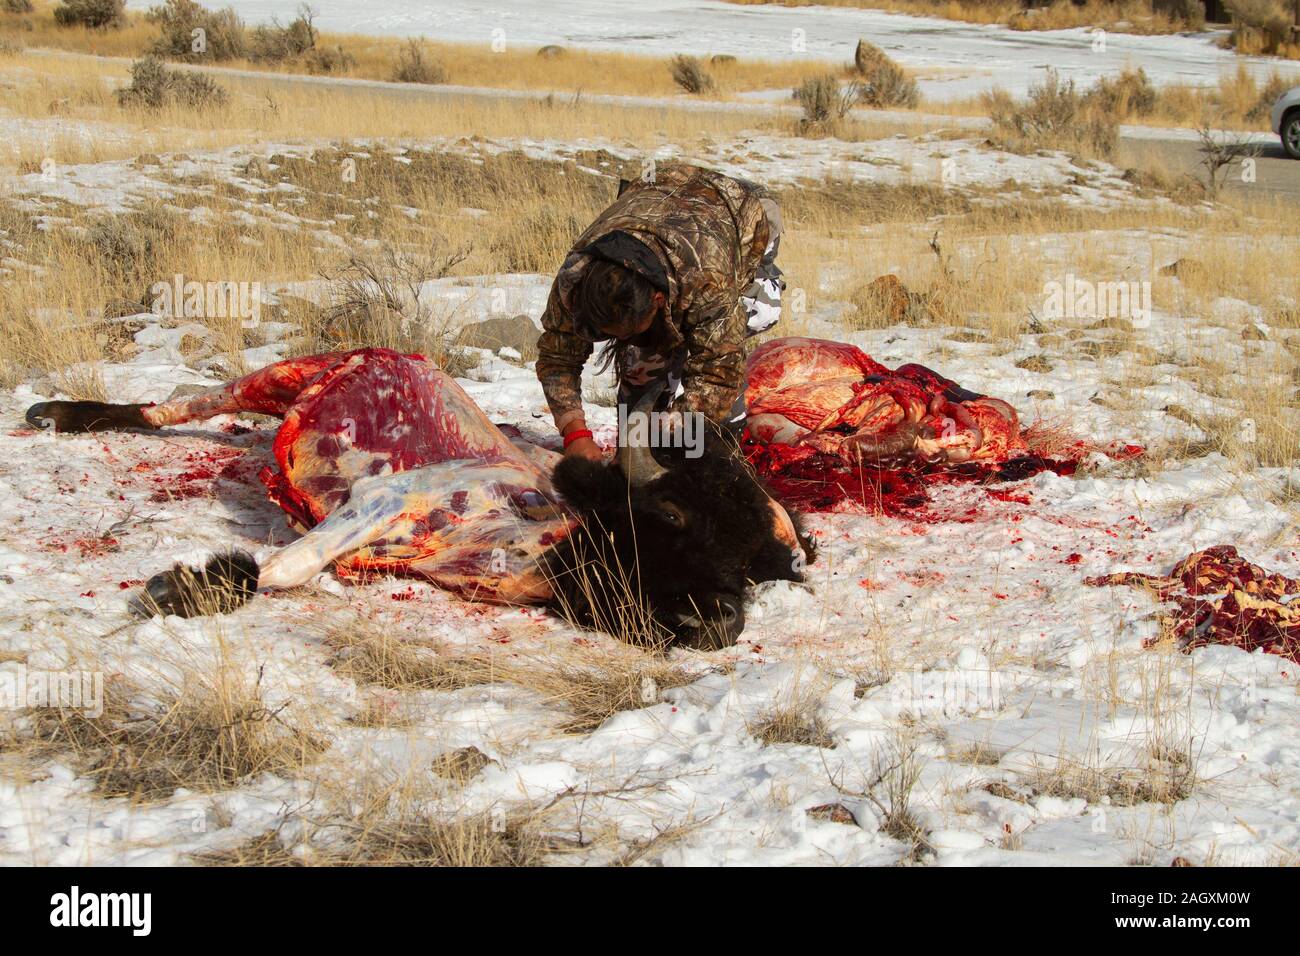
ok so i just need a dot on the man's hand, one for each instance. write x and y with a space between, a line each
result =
584 448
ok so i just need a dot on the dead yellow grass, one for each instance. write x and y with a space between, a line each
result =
1125 16
211 734
501 65
590 686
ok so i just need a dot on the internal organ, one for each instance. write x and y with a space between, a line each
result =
394 469
832 398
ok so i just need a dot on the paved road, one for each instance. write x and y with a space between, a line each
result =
1175 150
1275 172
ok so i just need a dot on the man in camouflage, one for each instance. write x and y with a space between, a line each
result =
701 248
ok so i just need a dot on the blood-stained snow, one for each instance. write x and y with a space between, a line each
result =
1039 720
970 624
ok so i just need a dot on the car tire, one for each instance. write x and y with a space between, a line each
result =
1291 134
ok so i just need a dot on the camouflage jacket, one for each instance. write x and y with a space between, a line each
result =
710 232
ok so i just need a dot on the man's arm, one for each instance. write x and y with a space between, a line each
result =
715 366
561 356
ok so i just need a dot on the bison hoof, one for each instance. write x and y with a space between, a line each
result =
717 623
224 584
86 416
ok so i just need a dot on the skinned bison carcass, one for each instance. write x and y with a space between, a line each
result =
827 426
387 465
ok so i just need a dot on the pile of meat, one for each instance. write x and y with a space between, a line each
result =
828 426
1218 597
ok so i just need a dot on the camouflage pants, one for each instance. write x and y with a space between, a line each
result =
643 369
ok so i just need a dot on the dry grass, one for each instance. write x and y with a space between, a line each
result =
1055 115
391 823
1166 777
281 108
1237 100
1127 16
415 839
380 58
795 723
590 686
212 734
1263 27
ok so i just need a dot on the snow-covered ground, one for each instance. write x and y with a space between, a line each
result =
972 628
963 164
967 632
956 59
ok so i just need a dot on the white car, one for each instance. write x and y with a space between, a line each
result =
1286 121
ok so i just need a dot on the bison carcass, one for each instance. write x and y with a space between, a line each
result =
386 465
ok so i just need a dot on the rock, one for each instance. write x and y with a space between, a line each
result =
834 812
1182 267
1035 363
886 295
502 332
1005 791
462 764
185 391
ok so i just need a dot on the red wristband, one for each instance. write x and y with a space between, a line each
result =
576 434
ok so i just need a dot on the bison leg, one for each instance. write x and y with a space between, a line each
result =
87 416
269 391
229 581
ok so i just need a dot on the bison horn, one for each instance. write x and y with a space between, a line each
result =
635 458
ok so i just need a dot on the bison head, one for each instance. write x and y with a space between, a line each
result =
665 552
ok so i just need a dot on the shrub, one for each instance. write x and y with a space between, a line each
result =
1259 26
689 73
1190 12
96 14
1267 15
154 86
1269 93
1053 117
884 82
223 36
17 6
1129 94
275 43
415 66
326 60
823 101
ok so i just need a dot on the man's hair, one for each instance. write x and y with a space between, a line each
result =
610 298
